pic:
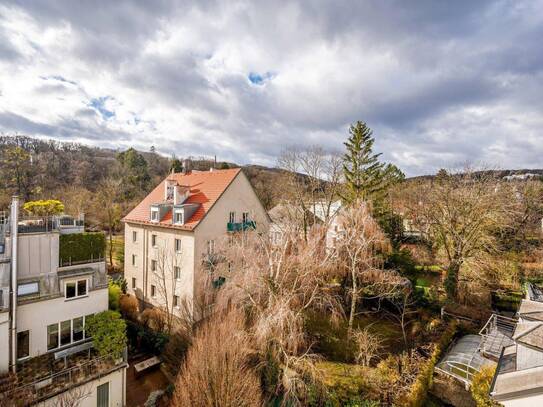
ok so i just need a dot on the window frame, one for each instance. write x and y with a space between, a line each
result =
245 217
153 291
153 265
134 258
232 217
99 402
175 301
76 289
180 213
134 236
177 272
153 240
178 245
27 331
154 215
133 283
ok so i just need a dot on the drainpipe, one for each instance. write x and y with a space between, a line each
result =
14 220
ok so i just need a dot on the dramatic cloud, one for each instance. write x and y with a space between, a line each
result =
441 83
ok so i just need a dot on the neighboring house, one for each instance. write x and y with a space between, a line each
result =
514 346
176 230
44 305
519 376
289 218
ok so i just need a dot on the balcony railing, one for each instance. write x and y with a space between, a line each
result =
240 226
497 334
42 224
33 387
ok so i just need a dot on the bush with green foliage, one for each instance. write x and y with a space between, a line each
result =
114 293
108 332
480 387
78 247
403 261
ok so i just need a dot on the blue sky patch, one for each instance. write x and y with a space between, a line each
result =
99 105
259 79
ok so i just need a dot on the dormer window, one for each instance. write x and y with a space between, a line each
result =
154 214
169 192
179 217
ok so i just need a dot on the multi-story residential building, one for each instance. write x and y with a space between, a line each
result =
172 234
519 375
46 357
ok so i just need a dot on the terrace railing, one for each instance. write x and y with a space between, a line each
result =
496 334
38 389
240 226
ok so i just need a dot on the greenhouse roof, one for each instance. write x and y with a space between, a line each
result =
463 359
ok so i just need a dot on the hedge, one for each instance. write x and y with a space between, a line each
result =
419 390
79 247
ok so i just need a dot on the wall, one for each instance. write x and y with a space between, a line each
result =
166 258
239 197
117 391
37 315
37 253
524 401
4 341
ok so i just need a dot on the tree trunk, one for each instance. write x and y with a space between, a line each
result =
451 280
354 299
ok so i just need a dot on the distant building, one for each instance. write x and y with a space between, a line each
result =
179 227
45 301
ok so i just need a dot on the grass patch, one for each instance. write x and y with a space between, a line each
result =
331 341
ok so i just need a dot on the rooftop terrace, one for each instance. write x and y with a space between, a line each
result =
44 377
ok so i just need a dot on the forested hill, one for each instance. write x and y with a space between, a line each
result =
37 169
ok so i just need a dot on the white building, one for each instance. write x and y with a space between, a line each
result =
175 232
519 376
45 354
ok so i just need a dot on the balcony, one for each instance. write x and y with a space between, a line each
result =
64 224
240 226
45 376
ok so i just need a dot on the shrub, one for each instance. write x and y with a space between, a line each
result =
114 292
480 387
217 371
44 207
78 247
128 305
419 390
155 319
108 332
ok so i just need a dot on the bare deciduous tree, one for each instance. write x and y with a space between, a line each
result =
73 397
217 370
167 261
368 346
357 243
462 214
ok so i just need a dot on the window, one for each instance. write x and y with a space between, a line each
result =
245 217
82 287
153 265
65 332
169 192
210 246
76 288
70 290
177 272
52 336
134 282
178 245
175 301
23 344
77 330
102 392
133 259
28 289
154 215
232 217
134 236
153 240
179 218
153 291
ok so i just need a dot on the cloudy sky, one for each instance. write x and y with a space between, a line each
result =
440 82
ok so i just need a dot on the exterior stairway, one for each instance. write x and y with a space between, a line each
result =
497 334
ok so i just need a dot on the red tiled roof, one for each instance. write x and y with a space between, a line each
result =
205 188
